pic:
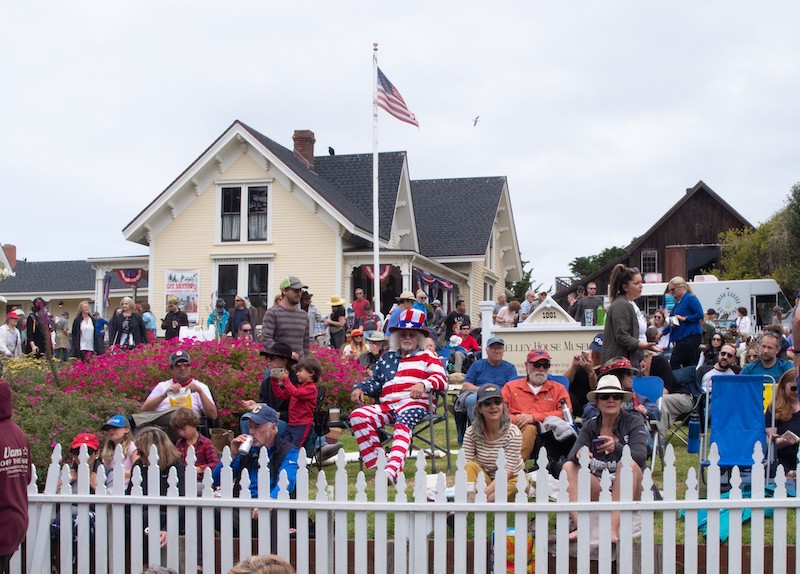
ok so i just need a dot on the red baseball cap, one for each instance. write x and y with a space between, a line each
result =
90 440
538 355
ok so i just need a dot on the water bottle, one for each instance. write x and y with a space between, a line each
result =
693 445
601 316
566 413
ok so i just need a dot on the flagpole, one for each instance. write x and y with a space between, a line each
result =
376 268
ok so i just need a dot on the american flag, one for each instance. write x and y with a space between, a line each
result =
391 101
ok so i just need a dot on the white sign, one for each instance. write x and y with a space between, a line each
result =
185 285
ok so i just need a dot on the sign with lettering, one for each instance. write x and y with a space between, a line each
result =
562 343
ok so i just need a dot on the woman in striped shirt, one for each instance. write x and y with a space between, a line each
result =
490 431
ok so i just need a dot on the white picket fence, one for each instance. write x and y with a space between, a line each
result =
387 528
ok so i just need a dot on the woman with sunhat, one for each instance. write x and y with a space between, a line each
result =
336 322
490 431
605 437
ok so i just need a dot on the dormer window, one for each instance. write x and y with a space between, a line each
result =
254 220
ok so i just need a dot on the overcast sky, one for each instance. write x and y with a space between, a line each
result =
601 114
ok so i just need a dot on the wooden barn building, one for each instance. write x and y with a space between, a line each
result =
685 242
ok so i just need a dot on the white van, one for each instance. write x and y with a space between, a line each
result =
759 296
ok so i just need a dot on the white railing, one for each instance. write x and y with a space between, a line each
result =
394 529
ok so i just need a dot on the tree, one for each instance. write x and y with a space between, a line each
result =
583 266
519 288
769 250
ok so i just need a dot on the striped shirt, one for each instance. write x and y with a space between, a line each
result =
394 376
484 452
289 326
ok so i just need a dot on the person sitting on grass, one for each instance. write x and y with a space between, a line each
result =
302 398
606 436
490 431
185 423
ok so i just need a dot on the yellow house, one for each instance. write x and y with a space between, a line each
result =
248 212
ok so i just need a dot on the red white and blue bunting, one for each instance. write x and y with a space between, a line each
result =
130 276
386 270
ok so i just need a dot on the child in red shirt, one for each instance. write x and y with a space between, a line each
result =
302 398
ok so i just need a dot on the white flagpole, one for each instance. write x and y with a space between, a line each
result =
376 268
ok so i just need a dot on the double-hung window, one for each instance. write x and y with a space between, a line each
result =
244 213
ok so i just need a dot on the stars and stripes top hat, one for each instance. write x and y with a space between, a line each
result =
411 319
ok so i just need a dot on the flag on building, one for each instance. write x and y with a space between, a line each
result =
390 100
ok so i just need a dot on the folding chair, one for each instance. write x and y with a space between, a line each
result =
316 451
691 378
738 420
652 388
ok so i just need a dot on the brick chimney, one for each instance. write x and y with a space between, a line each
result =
11 254
304 146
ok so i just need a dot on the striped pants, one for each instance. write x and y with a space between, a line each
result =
365 422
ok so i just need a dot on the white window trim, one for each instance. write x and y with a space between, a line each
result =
244 184
655 257
242 285
488 291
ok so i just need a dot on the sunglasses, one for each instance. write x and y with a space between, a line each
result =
716 339
358 336
614 396
465 328
247 330
496 402
540 364
91 451
793 388
725 354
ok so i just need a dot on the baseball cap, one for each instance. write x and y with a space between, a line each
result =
178 356
488 391
116 422
90 440
261 413
495 341
539 355
292 282
711 311
597 343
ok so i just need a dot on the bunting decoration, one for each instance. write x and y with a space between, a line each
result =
386 270
130 276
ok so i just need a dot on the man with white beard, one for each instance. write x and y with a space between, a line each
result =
533 398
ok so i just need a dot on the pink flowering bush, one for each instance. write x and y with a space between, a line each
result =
232 368
118 383
339 375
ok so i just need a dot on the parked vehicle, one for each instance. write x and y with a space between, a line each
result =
759 296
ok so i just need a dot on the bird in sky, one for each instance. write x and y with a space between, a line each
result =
475 121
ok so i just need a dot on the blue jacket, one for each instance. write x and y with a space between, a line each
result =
282 456
689 306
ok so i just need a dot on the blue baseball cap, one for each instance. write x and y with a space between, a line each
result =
116 422
495 340
261 413
597 343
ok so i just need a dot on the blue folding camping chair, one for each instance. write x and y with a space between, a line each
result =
652 388
735 413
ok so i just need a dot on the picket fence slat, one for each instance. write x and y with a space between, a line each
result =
396 528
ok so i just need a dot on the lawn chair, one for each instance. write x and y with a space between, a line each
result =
652 388
738 420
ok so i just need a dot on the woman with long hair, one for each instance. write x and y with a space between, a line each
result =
624 334
787 418
492 430
686 324
127 329
336 322
709 355
356 347
85 339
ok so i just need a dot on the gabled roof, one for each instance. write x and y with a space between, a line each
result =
351 175
344 182
55 277
473 199
700 186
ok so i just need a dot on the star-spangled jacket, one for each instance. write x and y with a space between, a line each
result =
394 376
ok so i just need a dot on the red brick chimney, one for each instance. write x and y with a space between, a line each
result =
304 146
11 254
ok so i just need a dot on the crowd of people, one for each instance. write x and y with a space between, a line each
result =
410 356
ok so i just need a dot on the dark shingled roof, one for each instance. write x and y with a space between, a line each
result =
345 181
35 277
473 199
352 176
